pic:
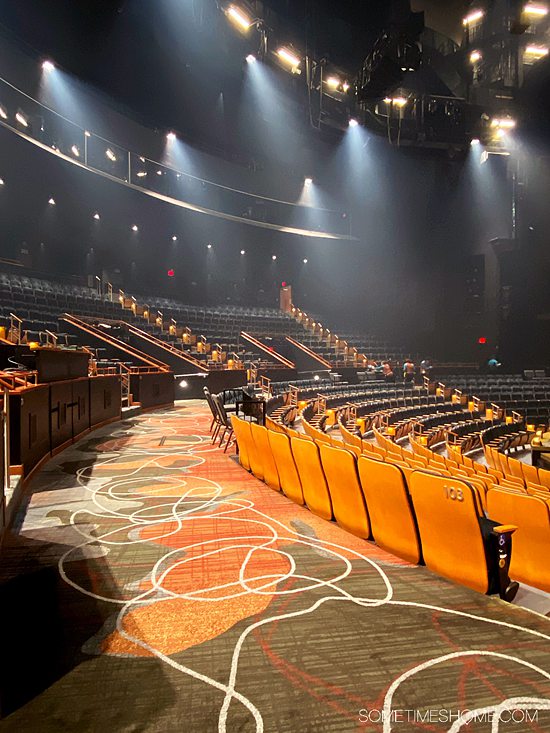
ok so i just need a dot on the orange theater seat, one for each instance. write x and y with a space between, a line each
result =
314 485
241 428
260 436
348 503
530 558
286 468
390 509
450 525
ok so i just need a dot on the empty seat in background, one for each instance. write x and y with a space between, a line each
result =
390 509
314 485
348 502
289 478
457 541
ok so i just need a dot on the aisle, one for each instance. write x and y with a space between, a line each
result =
154 585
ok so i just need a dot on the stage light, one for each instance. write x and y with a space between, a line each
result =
473 17
353 122
21 119
345 86
109 153
505 123
171 136
96 216
174 238
209 246
170 273
1 181
251 58
48 65
316 377
387 100
305 261
184 384
238 17
536 51
3 113
308 181
159 173
475 141
482 340
475 56
399 101
333 82
75 151
141 174
51 201
288 57
536 10
273 257
88 134
243 251
135 228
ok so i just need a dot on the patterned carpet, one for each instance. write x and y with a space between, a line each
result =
151 584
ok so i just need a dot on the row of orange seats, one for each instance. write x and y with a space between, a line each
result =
416 515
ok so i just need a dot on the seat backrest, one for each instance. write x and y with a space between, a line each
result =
531 542
260 436
530 473
448 520
390 508
348 503
314 485
289 478
241 428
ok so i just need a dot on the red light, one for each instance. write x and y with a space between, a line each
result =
283 284
171 273
482 340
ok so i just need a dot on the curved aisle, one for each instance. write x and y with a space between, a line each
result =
154 585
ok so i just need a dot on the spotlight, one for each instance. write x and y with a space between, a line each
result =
1 181
238 17
135 228
3 113
305 261
209 246
51 201
171 136
273 257
308 181
536 51
387 100
75 151
21 119
96 216
475 56
506 123
333 82
141 174
316 377
109 153
475 141
473 17
243 251
251 59
88 134
184 384
345 86
289 58
536 10
174 238
399 101
353 122
159 173
48 66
